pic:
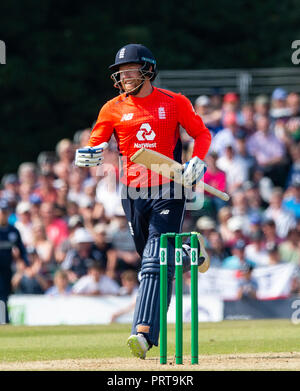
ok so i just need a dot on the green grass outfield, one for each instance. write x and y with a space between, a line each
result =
21 343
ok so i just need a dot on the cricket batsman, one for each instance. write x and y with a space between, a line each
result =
146 116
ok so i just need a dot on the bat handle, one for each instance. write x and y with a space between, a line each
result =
216 192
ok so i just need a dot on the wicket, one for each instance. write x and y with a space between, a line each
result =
178 293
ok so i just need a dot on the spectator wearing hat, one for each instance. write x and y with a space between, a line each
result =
80 255
10 184
24 222
62 190
206 225
125 255
61 285
279 108
236 226
283 218
255 250
56 228
231 102
35 206
210 116
289 249
96 282
261 106
238 260
11 248
215 178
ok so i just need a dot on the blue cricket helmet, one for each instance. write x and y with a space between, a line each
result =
138 54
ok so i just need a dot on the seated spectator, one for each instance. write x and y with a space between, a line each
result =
292 126
294 170
96 283
248 286
284 220
29 280
10 183
242 152
123 245
235 168
261 106
65 154
35 207
24 223
62 190
268 151
238 260
61 285
210 116
241 209
80 255
255 251
216 249
226 136
289 249
75 181
254 200
270 235
279 108
56 228
224 215
264 184
27 173
43 246
129 283
62 249
274 257
236 226
206 225
247 118
216 178
292 201
45 187
101 242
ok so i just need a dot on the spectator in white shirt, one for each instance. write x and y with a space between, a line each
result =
284 219
235 168
96 283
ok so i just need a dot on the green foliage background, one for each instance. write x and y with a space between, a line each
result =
58 51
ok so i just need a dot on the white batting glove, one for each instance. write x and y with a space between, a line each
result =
193 171
90 156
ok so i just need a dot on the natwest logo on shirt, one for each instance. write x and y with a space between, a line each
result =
145 133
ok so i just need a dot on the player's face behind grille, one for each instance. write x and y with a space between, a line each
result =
130 78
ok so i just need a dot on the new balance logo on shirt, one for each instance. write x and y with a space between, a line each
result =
127 117
165 212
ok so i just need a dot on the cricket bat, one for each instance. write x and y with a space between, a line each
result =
169 168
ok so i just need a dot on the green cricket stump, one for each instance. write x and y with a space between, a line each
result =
178 296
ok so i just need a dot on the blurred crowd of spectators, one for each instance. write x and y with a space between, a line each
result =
75 231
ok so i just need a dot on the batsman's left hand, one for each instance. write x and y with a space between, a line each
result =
90 156
193 171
